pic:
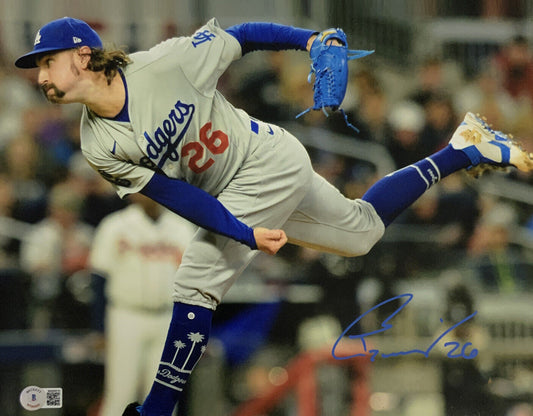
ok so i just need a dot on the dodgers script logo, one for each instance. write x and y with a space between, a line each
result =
163 142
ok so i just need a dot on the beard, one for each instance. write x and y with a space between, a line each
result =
56 96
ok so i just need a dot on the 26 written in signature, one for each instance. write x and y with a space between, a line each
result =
456 350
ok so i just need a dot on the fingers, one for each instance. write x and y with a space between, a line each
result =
278 241
334 42
283 237
269 241
275 240
310 42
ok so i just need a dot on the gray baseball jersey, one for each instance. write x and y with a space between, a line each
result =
181 125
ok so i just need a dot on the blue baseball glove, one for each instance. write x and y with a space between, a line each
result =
329 65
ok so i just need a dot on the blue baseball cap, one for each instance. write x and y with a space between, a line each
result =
60 34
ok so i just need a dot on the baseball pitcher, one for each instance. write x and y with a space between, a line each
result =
153 122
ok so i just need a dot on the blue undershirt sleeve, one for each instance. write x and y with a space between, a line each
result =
270 36
199 207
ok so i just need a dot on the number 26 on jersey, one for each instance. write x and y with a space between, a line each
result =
215 142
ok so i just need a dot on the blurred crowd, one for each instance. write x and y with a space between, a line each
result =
412 114
51 202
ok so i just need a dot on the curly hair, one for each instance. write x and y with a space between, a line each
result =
108 61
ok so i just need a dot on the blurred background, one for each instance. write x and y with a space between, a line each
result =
465 246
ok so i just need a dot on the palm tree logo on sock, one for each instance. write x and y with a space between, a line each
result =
167 370
179 345
195 338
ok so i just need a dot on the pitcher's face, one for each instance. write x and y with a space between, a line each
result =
58 75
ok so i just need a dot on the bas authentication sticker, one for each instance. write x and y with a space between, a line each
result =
35 398
32 398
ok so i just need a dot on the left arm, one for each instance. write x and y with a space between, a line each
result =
271 36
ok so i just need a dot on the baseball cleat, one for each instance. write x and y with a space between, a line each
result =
133 409
488 149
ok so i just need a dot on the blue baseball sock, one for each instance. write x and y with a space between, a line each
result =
391 195
186 341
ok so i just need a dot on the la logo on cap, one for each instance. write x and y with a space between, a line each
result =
60 34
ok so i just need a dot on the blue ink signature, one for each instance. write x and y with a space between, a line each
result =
452 353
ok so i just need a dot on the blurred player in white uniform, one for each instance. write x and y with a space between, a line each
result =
154 122
137 250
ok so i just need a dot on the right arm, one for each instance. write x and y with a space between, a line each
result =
206 211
